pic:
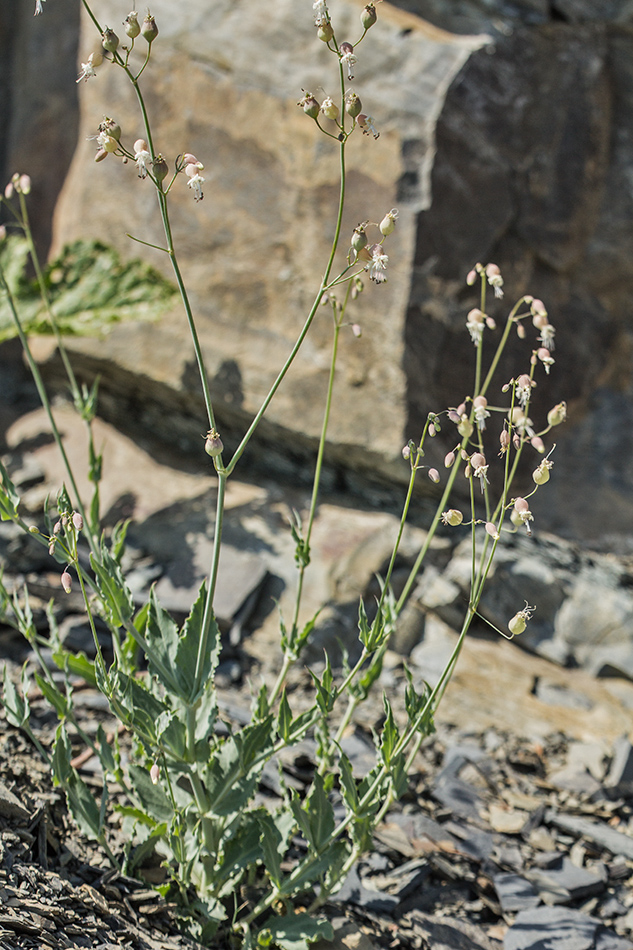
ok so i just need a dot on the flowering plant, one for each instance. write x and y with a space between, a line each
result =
190 787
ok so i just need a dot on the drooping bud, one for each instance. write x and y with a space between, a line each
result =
66 582
131 24
449 460
213 445
434 475
24 184
452 517
154 773
557 415
357 330
537 443
100 154
109 40
149 30
471 277
521 514
160 168
388 223
491 529
78 521
368 16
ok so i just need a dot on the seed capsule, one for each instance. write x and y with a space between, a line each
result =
149 30
109 41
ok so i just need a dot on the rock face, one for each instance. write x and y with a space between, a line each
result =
504 136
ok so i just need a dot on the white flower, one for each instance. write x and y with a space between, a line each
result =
475 325
141 157
547 336
378 265
495 279
195 182
38 7
321 13
523 388
348 58
366 123
87 69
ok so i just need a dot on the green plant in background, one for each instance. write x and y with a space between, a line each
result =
190 790
89 289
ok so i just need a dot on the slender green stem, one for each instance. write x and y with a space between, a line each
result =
41 389
316 482
213 577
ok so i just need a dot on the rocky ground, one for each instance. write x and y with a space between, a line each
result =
517 830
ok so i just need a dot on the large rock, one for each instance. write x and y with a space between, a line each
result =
506 140
225 86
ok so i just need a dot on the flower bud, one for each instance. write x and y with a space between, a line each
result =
491 528
517 625
537 443
406 451
310 105
359 237
353 105
24 184
452 517
357 330
520 331
325 32
51 547
160 167
449 460
537 308
329 109
465 427
557 415
109 40
78 521
149 30
110 127
368 16
154 773
8 191
471 277
33 529
388 223
213 445
519 621
66 582
131 24
478 460
541 474
189 159
434 475
100 154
